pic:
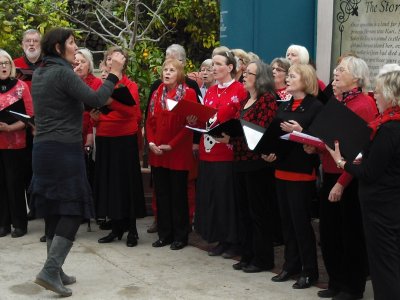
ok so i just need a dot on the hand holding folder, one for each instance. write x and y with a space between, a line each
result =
187 108
302 138
28 120
337 122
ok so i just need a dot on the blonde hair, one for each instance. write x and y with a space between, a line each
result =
308 77
389 80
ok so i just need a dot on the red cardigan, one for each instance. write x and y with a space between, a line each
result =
165 127
228 104
15 139
123 119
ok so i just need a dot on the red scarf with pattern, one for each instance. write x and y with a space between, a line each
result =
390 114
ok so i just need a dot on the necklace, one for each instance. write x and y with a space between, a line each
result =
219 93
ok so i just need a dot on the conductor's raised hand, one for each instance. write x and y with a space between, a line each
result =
117 64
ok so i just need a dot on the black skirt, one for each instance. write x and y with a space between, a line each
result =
216 217
59 184
118 186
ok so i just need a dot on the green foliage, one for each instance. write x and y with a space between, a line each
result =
144 68
16 16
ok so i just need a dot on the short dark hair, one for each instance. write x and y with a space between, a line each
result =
53 37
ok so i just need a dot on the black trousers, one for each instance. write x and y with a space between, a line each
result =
382 233
172 204
12 188
342 238
256 216
300 249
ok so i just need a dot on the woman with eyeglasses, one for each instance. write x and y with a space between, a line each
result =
15 96
216 210
254 178
295 175
280 67
341 230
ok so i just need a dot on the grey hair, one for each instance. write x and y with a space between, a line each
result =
264 79
302 52
88 56
358 68
207 63
31 31
219 49
389 80
177 51
8 56
282 62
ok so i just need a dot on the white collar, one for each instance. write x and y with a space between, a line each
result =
225 84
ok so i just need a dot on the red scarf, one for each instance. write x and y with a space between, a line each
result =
350 95
390 114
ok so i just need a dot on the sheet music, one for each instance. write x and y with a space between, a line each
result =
252 136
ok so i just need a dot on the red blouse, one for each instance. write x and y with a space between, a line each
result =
228 101
123 119
167 128
15 139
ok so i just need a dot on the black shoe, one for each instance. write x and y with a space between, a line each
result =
43 239
252 269
328 293
283 276
218 250
240 265
178 245
111 237
18 232
347 296
304 282
161 243
131 240
4 231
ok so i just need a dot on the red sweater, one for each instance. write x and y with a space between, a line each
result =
87 124
123 119
228 104
167 128
364 106
15 139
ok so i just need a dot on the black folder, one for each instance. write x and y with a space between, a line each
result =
17 106
124 96
28 120
266 140
232 127
337 122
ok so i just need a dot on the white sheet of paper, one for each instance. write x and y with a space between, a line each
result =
171 104
252 136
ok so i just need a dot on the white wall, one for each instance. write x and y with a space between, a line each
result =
324 39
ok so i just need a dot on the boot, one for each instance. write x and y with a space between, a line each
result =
66 280
49 276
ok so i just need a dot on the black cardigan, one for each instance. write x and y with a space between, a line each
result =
297 160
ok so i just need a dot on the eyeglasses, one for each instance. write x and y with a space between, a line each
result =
5 63
246 73
339 70
278 69
31 41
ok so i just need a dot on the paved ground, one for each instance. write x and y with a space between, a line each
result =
114 271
